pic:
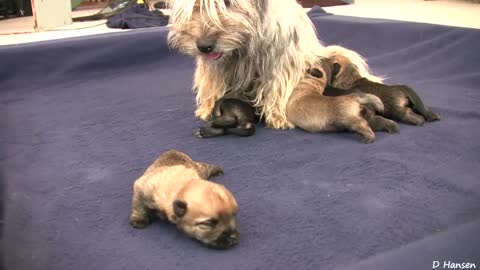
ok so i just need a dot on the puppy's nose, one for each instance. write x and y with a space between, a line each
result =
206 45
231 235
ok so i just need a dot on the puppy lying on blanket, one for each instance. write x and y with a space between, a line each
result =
401 102
307 109
176 188
376 122
230 116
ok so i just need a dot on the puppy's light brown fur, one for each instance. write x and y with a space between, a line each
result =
347 74
176 188
308 109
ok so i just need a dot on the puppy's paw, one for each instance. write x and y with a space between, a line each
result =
419 121
368 139
139 223
200 133
391 127
431 116
215 171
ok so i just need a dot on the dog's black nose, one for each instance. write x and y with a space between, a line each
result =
230 236
206 45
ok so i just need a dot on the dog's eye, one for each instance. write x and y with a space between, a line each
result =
227 3
209 223
315 72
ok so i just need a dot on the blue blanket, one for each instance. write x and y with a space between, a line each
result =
79 125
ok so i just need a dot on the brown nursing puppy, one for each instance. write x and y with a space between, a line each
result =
376 122
401 102
176 188
308 110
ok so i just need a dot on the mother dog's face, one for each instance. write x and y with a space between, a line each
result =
212 29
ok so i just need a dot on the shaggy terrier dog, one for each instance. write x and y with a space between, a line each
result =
258 50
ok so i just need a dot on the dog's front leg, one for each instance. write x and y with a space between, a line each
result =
209 88
272 100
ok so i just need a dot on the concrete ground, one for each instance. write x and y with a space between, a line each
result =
463 13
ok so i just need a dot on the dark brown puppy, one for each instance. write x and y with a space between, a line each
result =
176 188
401 102
230 116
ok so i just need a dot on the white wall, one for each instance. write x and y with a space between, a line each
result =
51 13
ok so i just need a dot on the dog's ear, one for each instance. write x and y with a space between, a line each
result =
179 208
335 70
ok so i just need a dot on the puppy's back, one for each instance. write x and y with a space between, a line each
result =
170 158
243 110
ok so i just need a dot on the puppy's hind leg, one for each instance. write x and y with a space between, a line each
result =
208 132
379 123
360 125
224 121
243 132
141 215
417 104
244 129
352 119
208 170
407 115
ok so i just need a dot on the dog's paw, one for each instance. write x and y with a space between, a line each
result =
200 133
366 135
431 116
418 121
139 223
216 171
367 140
391 127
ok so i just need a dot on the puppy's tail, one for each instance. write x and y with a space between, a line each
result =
370 101
418 105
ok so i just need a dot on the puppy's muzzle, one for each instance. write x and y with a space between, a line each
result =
226 240
206 45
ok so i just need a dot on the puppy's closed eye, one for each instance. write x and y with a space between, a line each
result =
207 224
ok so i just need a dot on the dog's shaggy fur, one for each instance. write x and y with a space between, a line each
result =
255 49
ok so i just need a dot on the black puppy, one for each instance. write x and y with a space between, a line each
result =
230 116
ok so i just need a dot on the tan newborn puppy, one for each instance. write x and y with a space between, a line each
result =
176 188
310 110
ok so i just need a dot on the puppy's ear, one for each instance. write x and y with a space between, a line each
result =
335 70
179 208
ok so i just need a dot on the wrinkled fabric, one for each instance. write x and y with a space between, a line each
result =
137 16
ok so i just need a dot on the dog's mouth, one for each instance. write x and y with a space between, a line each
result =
214 56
